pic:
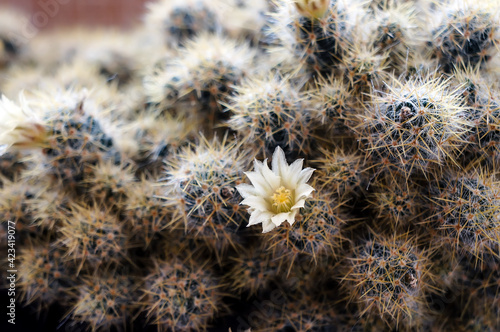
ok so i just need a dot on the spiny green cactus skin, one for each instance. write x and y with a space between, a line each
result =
343 172
253 271
364 68
317 233
317 42
109 183
397 203
15 199
49 208
333 105
94 236
147 215
483 111
205 72
159 136
396 31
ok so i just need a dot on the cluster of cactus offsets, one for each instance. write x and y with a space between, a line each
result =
137 176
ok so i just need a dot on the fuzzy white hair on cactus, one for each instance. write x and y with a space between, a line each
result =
276 195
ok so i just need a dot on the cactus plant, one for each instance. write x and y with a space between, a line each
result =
181 295
272 112
202 181
389 277
123 168
416 123
46 276
177 21
316 232
316 32
467 33
93 235
105 301
466 210
205 71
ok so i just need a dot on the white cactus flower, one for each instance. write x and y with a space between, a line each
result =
19 126
276 195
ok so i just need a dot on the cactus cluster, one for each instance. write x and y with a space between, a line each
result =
363 137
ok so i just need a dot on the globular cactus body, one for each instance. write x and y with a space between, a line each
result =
467 212
105 302
388 277
468 33
413 125
271 111
46 277
202 184
316 32
181 296
93 235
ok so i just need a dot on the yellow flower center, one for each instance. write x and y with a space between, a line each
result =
282 200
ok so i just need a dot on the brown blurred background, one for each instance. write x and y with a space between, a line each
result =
47 14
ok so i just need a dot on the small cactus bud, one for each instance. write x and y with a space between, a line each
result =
314 9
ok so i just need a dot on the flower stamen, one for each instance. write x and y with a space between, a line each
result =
282 200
